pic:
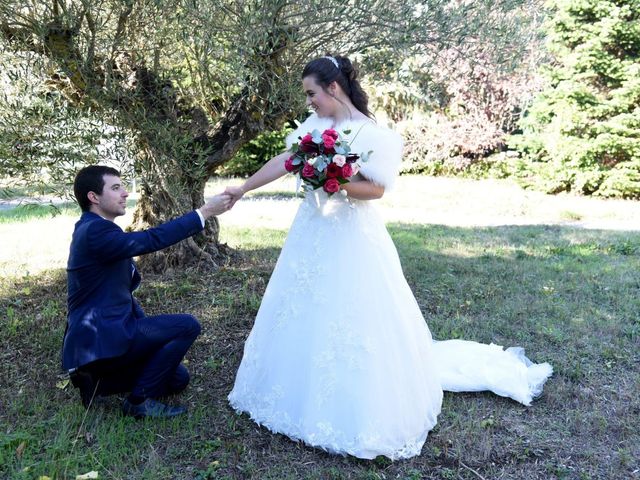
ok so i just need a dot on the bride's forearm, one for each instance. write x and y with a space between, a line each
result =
269 172
363 190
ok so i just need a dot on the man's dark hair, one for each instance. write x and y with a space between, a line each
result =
91 179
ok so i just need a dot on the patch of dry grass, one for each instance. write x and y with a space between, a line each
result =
570 296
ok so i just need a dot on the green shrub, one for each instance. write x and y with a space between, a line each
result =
255 153
478 107
582 133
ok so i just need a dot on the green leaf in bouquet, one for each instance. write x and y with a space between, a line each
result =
342 181
340 149
321 163
316 136
310 184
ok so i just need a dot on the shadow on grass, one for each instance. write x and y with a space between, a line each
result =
569 296
278 195
31 210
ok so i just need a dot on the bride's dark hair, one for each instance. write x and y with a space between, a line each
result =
345 74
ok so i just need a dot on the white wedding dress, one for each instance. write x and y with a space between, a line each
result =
340 355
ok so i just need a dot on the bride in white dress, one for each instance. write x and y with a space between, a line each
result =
340 355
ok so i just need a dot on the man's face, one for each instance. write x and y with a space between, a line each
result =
112 202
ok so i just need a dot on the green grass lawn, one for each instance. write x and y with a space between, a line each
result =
569 296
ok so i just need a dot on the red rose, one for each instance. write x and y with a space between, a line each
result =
307 145
330 132
288 164
333 170
329 138
308 171
331 185
347 171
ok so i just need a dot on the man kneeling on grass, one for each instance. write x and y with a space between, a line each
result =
110 345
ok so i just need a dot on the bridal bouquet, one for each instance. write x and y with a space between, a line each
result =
324 160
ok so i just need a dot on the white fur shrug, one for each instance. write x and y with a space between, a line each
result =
364 136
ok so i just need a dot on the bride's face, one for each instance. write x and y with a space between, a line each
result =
322 101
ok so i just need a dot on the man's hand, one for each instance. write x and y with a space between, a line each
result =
216 205
235 193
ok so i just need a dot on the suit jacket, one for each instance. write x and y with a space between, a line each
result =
101 277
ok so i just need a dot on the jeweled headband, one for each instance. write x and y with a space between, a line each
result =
333 60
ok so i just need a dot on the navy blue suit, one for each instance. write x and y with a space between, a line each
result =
106 327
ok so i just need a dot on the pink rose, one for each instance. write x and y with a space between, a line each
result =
288 164
329 143
331 185
308 171
307 144
347 171
339 160
333 170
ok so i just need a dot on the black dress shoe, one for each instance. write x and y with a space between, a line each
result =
88 386
151 408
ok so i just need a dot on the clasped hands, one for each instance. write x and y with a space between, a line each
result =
222 202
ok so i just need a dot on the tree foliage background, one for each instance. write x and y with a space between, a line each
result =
565 118
179 87
582 132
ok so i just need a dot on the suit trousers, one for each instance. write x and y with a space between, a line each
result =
151 367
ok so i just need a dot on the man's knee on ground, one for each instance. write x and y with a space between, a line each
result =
179 380
193 325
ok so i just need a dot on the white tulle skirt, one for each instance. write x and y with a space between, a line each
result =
340 356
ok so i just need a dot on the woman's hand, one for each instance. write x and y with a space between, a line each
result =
363 190
216 205
235 193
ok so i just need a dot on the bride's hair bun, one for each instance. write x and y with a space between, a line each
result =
347 68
